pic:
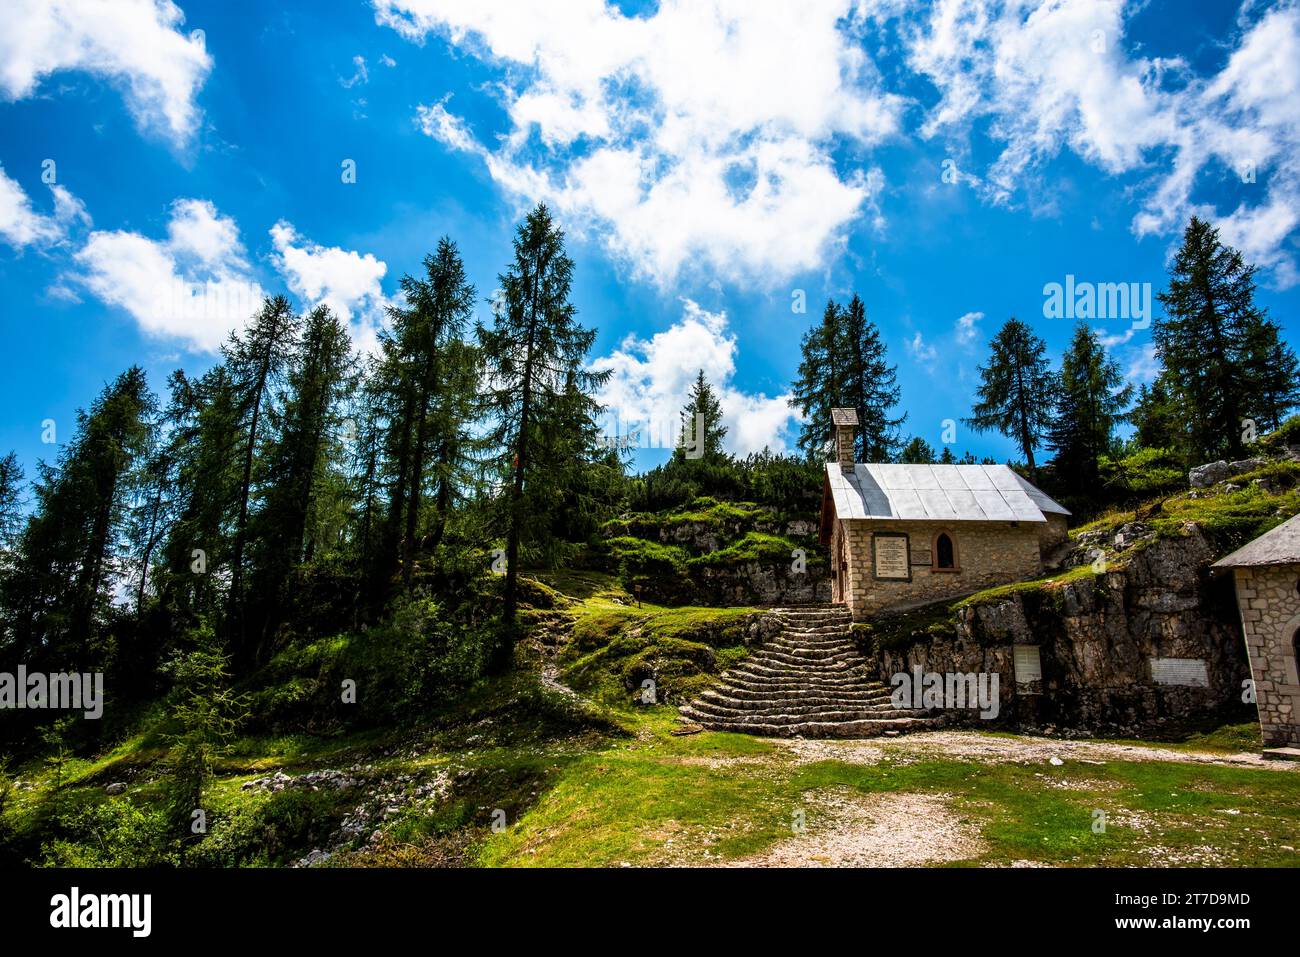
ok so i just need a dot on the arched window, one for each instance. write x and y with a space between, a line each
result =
944 553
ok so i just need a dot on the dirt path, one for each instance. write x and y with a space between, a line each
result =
1023 749
845 829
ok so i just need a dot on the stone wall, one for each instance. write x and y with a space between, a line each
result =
1096 636
1269 599
987 553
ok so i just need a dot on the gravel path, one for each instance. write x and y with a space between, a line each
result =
846 829
1023 749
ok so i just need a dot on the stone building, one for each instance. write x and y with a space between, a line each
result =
1267 574
903 535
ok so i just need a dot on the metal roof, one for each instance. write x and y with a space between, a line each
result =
953 493
1281 546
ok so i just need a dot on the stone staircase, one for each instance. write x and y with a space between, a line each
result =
809 681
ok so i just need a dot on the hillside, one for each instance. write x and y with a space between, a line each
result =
566 760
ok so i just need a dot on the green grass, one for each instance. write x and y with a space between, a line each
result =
657 799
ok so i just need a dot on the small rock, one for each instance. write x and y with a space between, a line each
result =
1055 761
116 788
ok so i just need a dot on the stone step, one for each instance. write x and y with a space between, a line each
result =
743 698
784 670
806 656
763 678
744 683
866 728
729 693
787 715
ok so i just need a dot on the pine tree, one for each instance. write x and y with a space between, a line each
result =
1204 344
919 452
1015 392
256 362
538 387
1273 373
870 385
701 420
1091 402
11 503
1155 423
426 365
65 554
295 464
817 389
205 427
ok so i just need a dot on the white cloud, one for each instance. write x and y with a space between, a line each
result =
21 225
359 73
652 379
921 350
193 287
968 327
344 280
1055 74
697 138
134 44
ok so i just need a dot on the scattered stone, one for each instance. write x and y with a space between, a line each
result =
1203 476
115 788
1054 760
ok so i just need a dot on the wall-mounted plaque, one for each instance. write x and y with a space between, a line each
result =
891 557
1188 672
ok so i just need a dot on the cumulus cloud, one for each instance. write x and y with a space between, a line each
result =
968 327
192 287
921 350
136 45
343 279
21 225
652 379
697 137
1055 75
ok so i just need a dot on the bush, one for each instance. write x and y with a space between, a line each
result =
111 834
416 659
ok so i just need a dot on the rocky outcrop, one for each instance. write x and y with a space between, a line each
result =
1096 636
808 681
1212 473
759 583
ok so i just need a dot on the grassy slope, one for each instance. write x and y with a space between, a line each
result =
604 783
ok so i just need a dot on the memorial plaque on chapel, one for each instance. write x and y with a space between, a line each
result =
890 551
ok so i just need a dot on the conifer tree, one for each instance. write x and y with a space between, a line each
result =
256 361
427 372
702 409
1091 401
11 502
918 452
817 389
1015 392
296 460
1212 344
870 385
1155 423
60 593
538 387
1273 372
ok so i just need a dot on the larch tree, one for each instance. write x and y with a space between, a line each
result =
1016 390
1204 344
1091 400
870 385
816 389
537 383
702 430
256 361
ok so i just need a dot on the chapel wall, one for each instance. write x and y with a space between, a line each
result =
988 554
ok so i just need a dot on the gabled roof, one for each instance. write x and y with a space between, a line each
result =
952 493
1281 546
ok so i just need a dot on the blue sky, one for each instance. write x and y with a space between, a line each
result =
715 163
